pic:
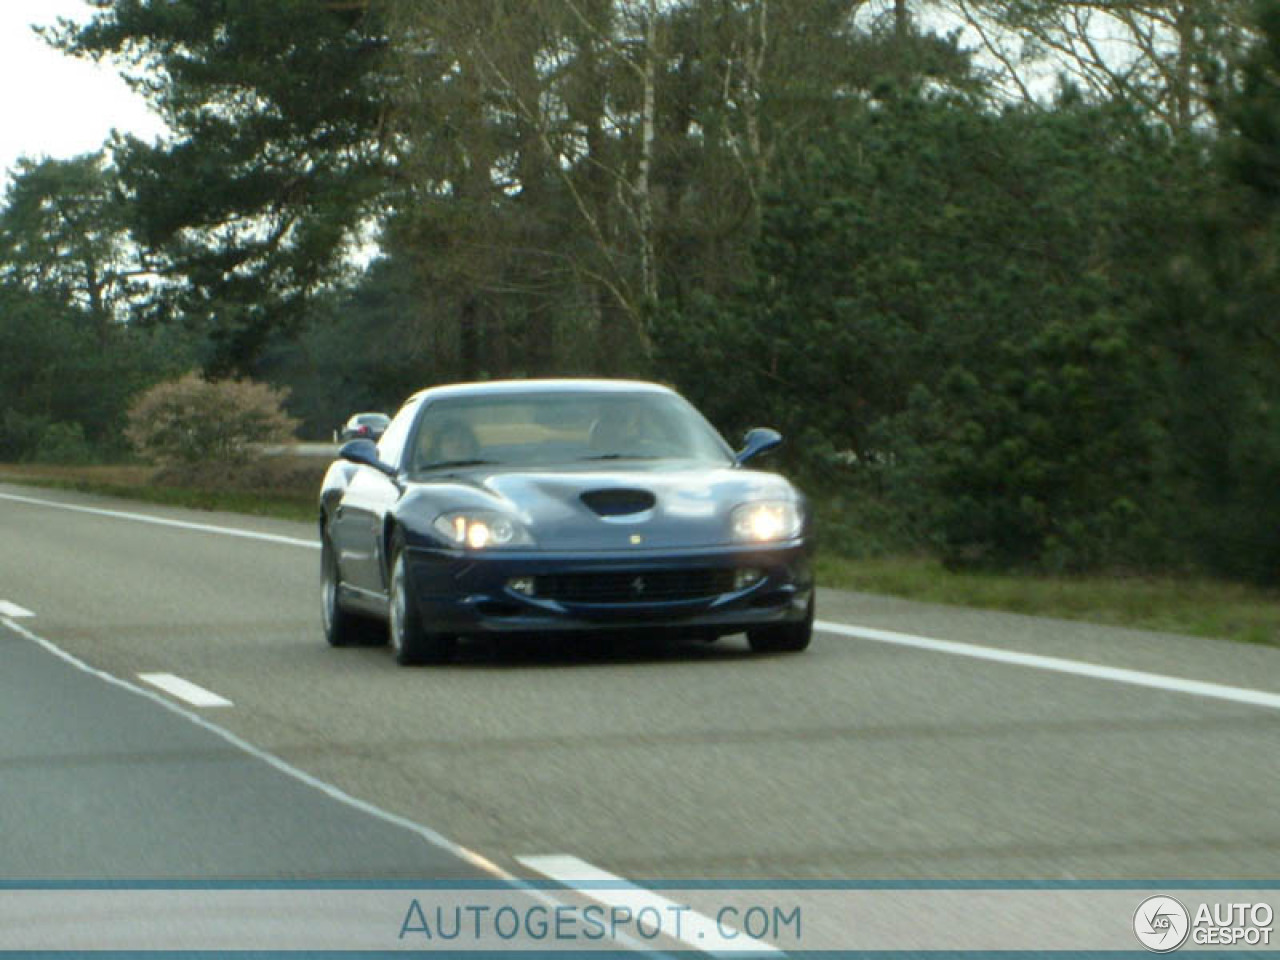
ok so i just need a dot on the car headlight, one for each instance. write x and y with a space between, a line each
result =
479 530
765 521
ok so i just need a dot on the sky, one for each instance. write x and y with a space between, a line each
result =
54 105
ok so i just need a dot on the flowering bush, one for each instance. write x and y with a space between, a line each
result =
193 420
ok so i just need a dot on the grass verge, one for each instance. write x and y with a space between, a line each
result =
141 484
1196 606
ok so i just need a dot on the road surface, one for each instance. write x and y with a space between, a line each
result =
1017 748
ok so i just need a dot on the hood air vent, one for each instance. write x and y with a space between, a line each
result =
618 502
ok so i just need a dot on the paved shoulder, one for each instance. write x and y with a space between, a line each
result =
99 781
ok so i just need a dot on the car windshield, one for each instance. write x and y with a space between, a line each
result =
545 429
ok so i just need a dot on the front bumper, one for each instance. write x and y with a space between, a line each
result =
469 593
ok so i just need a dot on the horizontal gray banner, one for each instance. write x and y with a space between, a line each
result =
739 920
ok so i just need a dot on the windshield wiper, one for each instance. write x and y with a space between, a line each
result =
455 463
622 456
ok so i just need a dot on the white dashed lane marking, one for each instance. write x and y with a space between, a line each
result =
676 920
184 690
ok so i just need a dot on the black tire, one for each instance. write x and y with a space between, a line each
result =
341 628
783 638
409 637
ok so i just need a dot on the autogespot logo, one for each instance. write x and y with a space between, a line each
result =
1161 924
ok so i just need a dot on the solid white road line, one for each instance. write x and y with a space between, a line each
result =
164 522
1079 668
8 609
185 690
696 930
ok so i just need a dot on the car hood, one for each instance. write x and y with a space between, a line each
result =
658 506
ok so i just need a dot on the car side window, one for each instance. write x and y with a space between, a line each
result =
391 446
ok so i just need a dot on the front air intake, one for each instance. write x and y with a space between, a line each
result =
619 502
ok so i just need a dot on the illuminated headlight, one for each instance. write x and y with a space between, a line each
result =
765 521
481 530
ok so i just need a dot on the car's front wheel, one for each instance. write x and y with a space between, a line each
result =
410 639
785 637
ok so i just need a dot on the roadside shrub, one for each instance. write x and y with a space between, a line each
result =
63 443
192 420
1051 461
19 434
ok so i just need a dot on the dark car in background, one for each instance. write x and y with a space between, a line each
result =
560 506
364 426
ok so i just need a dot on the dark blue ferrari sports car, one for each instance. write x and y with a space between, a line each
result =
560 506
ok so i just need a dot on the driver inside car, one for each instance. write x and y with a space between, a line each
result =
451 442
628 431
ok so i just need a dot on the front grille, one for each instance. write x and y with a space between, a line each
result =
634 586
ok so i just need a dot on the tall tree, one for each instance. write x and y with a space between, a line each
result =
472 205
959 302
64 234
1160 56
530 131
275 154
1223 305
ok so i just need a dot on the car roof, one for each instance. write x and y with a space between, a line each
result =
565 385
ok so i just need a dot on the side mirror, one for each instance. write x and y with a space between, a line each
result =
365 452
757 441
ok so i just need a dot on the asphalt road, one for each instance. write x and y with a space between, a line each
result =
857 759
99 782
